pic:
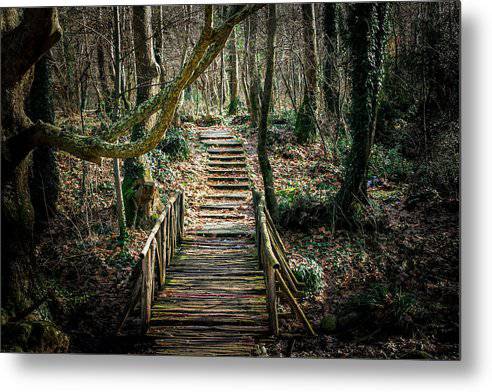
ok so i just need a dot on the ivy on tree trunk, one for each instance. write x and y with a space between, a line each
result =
367 40
137 170
305 128
44 181
266 169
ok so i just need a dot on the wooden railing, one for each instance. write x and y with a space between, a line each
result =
149 273
281 282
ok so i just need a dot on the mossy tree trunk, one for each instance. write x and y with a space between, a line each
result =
367 43
266 169
24 41
45 177
305 128
137 170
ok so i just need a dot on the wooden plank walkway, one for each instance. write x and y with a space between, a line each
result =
214 299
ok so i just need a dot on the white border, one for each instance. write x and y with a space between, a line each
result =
474 373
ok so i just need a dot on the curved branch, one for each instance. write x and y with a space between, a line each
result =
93 148
221 35
209 45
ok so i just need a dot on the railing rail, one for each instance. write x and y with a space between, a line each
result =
150 271
279 278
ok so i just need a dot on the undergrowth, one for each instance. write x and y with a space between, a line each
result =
311 274
175 147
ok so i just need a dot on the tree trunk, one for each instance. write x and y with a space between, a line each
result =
232 71
254 99
266 169
120 207
305 128
45 177
70 87
159 41
329 71
221 81
137 170
31 35
367 43
101 67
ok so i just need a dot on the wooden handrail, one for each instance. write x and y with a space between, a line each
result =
273 259
155 256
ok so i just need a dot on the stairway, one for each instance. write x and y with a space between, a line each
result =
214 299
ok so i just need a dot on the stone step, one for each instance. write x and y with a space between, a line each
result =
217 137
228 158
225 151
221 206
239 172
228 143
226 164
231 196
222 216
228 179
241 185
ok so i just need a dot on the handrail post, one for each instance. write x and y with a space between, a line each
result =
182 217
164 243
168 237
146 300
272 298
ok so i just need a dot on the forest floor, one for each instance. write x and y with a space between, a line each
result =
395 290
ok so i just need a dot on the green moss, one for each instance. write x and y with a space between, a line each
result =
328 323
305 128
16 333
175 145
45 337
136 169
34 336
233 107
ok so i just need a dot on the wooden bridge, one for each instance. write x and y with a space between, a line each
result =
218 292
